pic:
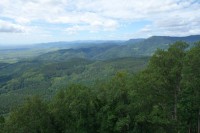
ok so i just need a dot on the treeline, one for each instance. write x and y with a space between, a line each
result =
164 98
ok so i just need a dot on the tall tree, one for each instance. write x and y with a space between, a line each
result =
190 97
168 66
157 89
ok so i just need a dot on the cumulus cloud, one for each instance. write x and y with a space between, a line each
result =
167 17
10 27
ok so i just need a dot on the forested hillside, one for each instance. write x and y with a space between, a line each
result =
45 77
131 48
145 47
12 54
164 97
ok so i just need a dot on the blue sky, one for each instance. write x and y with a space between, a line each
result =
36 21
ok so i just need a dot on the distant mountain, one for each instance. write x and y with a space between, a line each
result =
130 48
12 54
145 47
66 54
95 50
135 40
78 44
191 38
149 45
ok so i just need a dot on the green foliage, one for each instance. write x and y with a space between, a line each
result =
146 47
163 98
2 122
27 78
158 88
189 105
32 117
74 110
113 99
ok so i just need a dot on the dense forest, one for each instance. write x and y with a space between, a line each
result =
162 98
27 78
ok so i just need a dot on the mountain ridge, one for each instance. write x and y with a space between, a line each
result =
130 48
95 50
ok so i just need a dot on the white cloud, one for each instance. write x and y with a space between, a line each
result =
75 29
93 26
22 20
168 17
7 27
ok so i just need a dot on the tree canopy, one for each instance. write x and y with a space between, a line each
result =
163 98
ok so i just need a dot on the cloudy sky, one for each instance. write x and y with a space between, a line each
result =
34 21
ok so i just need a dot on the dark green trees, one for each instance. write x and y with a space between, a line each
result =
164 98
113 101
190 97
167 68
157 89
2 122
32 117
74 110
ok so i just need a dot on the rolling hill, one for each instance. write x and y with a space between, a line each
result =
44 77
145 47
130 48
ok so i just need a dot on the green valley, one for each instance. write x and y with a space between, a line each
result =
145 85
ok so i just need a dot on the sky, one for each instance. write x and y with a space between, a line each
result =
37 21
